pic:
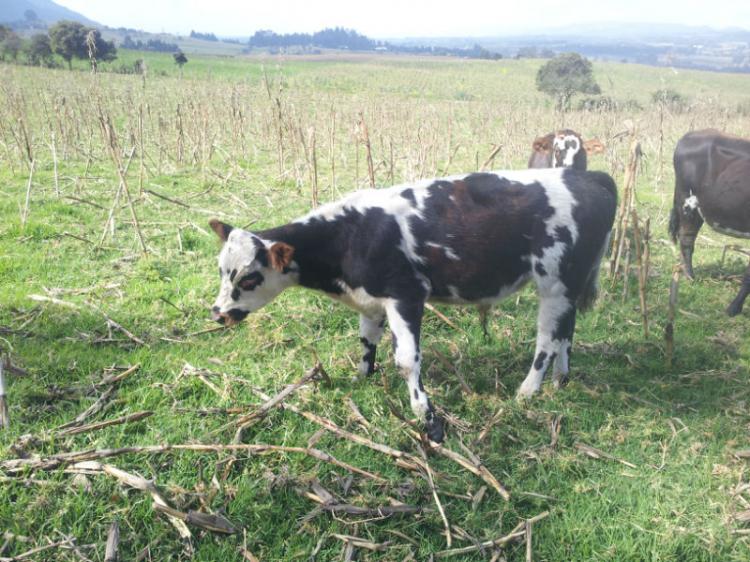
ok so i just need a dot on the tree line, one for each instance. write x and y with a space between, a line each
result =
329 38
68 39
342 38
204 36
156 45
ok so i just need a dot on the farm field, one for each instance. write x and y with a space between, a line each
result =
98 308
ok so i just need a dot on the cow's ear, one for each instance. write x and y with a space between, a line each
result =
280 255
593 146
542 144
221 229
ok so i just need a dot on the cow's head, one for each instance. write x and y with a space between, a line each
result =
563 149
253 272
566 146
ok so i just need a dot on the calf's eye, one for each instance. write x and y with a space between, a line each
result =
251 281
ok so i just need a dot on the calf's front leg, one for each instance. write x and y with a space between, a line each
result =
370 332
405 319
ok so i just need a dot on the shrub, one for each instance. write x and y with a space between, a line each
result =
598 103
670 99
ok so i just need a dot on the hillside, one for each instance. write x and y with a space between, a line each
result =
45 10
654 44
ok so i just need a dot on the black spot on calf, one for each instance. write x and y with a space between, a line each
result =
539 361
408 194
369 356
563 235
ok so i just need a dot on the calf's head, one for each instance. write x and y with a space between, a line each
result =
253 272
563 149
566 146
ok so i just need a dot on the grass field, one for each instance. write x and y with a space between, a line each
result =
253 141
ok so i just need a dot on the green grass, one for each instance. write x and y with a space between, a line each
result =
679 426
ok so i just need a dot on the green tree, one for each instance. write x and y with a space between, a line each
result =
10 43
564 76
68 39
39 50
73 40
180 59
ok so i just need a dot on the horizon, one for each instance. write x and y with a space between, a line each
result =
444 22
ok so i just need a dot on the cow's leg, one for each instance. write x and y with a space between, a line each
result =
690 223
484 311
553 309
370 332
736 307
405 319
564 334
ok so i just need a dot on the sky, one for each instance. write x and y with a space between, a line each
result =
401 18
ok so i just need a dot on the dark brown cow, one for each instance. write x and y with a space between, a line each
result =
712 184
563 149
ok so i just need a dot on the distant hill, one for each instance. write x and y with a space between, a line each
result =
676 45
12 11
648 32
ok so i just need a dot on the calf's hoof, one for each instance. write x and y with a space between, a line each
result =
435 427
525 392
559 381
365 368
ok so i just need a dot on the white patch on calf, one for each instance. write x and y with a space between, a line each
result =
562 201
560 143
691 203
360 300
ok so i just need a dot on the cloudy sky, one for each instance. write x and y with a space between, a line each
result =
401 18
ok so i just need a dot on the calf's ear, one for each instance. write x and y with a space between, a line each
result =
221 229
542 144
280 255
593 146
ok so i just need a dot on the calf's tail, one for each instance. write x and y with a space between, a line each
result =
590 291
674 223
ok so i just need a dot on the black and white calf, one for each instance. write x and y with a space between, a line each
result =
471 239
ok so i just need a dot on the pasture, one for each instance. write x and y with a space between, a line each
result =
95 280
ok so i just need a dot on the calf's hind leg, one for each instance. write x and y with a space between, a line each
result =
736 306
690 223
555 324
405 319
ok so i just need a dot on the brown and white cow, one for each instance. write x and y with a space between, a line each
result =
563 149
468 239
712 184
